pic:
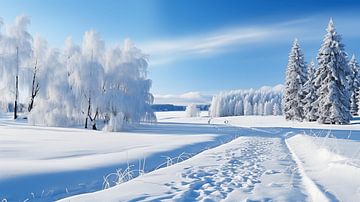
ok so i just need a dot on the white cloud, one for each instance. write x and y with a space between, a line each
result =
167 51
183 99
309 28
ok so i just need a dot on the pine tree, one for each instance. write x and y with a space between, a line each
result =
354 86
295 78
310 95
334 98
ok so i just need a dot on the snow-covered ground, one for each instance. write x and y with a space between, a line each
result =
246 168
270 160
49 163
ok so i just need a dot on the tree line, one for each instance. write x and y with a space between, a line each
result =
263 101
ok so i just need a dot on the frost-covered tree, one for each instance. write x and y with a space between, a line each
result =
310 96
239 108
248 108
39 53
276 109
334 96
56 104
15 53
34 87
127 94
354 86
268 108
260 110
91 83
86 75
192 111
294 81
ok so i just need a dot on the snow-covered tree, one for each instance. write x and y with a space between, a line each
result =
354 86
310 95
276 109
34 87
268 108
261 109
295 79
86 75
126 86
192 111
16 54
334 96
64 87
248 108
239 108
56 104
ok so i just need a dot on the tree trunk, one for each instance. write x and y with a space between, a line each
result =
93 120
15 110
34 89
16 83
88 113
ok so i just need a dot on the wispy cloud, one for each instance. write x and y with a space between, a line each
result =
183 99
309 28
167 51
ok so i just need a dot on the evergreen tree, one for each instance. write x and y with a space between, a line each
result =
310 96
354 86
295 78
334 98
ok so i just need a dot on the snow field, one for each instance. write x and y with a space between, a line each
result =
256 166
49 163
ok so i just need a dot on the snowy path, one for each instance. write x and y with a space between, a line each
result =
248 168
237 171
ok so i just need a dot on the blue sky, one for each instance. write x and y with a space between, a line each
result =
199 46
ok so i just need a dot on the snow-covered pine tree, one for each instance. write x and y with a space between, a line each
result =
310 95
334 96
354 86
295 78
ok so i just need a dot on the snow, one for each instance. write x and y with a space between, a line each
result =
267 158
65 161
231 171
331 163
264 163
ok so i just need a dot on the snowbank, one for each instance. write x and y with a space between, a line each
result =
332 164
